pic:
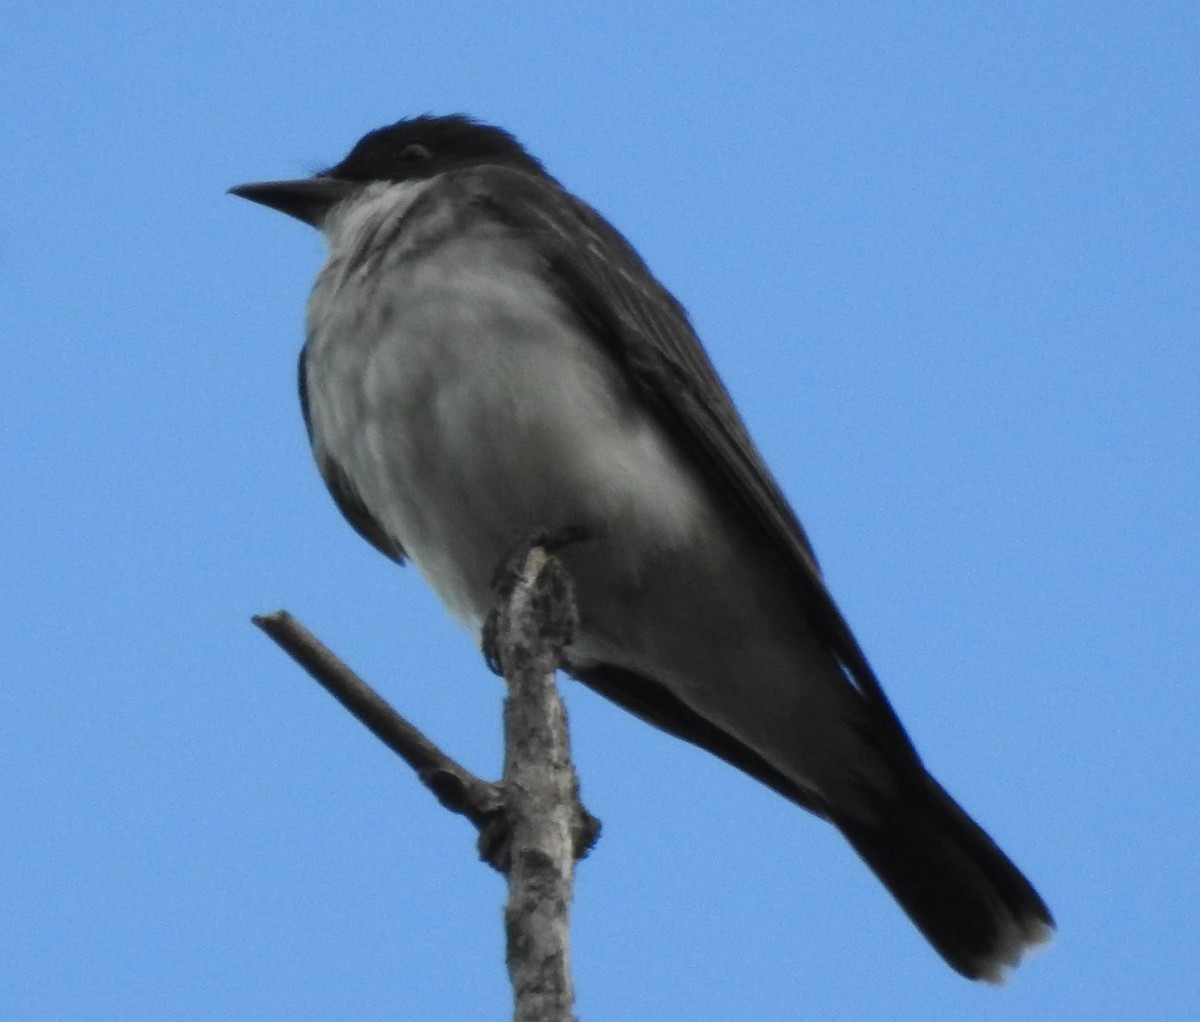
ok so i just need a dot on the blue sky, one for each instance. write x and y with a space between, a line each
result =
944 256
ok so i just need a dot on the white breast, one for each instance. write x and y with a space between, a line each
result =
466 408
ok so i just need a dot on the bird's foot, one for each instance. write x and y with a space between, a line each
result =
507 574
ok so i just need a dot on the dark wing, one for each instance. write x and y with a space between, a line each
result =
598 274
653 702
340 488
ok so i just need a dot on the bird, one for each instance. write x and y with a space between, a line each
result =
486 357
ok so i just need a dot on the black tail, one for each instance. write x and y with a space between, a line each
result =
962 892
971 903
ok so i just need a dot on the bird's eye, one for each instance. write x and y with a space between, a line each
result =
414 152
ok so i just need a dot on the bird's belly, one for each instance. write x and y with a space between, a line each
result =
471 418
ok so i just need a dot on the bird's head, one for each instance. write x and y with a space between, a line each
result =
410 150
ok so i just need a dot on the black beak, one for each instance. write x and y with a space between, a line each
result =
307 199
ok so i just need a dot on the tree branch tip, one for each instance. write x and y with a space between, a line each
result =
275 619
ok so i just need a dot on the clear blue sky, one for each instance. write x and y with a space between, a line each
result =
945 256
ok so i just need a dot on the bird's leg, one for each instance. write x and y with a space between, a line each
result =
507 574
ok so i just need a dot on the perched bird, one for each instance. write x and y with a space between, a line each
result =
487 356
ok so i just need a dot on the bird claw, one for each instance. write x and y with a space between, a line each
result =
508 572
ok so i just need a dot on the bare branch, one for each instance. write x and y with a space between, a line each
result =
548 828
531 826
453 785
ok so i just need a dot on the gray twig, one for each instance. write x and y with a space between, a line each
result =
453 785
548 827
531 825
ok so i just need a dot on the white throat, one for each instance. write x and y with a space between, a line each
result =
354 220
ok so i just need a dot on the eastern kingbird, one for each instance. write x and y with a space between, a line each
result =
486 356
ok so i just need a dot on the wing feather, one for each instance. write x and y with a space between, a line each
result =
597 273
